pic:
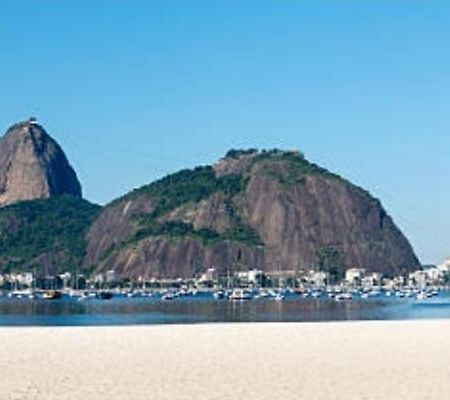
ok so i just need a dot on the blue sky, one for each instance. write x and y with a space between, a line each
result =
134 90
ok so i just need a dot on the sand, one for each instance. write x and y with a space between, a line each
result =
356 360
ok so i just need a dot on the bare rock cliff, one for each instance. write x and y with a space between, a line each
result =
33 166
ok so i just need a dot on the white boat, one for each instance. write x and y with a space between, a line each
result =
168 296
19 294
421 296
279 296
343 296
82 297
219 294
240 294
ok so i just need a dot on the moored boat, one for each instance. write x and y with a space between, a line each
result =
52 295
343 296
240 294
219 294
105 295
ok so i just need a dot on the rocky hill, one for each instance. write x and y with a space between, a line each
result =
33 166
272 210
43 220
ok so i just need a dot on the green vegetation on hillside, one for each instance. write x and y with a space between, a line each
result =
191 186
329 260
55 226
297 167
236 153
241 233
295 164
187 186
174 229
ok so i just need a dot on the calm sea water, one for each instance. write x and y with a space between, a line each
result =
201 309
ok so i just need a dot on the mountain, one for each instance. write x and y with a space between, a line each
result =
33 166
46 236
272 210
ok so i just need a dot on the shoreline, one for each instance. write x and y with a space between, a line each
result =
371 360
226 323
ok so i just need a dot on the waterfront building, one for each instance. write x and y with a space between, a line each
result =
355 275
373 279
252 277
318 278
444 267
23 278
210 275
255 276
65 278
418 278
110 276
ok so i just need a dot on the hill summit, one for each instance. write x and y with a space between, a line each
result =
33 165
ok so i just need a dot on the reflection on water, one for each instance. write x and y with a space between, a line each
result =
125 311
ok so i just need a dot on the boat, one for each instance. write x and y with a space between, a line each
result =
105 295
19 294
52 295
83 296
240 294
168 296
343 296
279 296
421 296
219 295
73 294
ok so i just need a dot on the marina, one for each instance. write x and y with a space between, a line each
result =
124 307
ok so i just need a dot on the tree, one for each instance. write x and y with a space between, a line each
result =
329 260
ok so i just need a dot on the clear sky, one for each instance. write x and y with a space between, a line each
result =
133 90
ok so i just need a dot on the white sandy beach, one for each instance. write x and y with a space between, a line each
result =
358 360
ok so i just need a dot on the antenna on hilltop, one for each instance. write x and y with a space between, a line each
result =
32 120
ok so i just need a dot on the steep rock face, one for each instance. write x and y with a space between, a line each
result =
270 210
295 222
33 166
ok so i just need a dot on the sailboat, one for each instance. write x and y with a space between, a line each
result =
279 295
240 294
